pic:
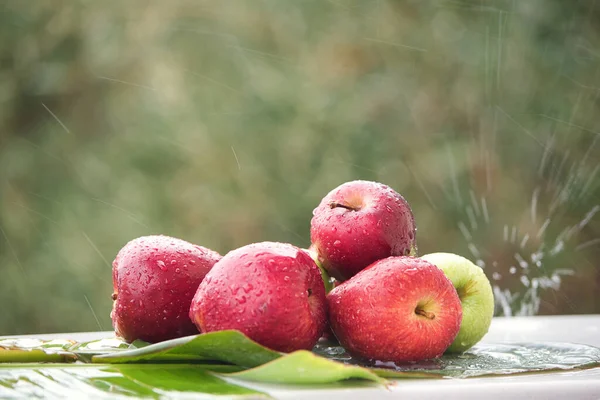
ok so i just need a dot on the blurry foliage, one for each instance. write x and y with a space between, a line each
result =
224 123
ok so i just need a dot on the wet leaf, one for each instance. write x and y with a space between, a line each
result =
305 367
232 352
116 381
35 350
231 347
85 351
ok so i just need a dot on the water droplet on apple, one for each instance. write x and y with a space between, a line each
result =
337 243
141 303
177 270
333 229
161 265
166 281
286 278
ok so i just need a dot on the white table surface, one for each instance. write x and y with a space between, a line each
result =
570 385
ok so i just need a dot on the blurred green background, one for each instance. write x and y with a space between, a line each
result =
225 123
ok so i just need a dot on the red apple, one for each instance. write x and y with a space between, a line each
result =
398 309
154 280
359 223
271 292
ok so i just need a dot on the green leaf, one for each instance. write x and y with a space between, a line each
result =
230 347
233 347
35 350
305 367
85 351
232 352
97 381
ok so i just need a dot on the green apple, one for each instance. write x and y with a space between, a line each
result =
476 297
327 280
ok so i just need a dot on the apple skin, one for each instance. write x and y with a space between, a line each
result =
271 292
358 223
154 281
398 309
475 293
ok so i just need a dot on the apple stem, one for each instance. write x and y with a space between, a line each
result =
335 204
426 314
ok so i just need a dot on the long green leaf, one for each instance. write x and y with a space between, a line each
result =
34 350
116 381
305 367
230 347
222 350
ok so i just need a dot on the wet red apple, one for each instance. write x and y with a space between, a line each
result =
271 292
398 309
154 281
358 223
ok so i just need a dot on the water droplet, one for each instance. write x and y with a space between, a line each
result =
286 278
161 265
173 262
248 287
192 262
177 270
141 303
333 229
337 243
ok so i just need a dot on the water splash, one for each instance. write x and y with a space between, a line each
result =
522 262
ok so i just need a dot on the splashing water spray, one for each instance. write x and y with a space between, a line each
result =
528 248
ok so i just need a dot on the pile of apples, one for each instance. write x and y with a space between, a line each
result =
386 303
